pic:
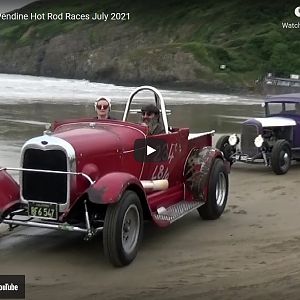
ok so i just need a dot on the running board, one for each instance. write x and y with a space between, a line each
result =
176 211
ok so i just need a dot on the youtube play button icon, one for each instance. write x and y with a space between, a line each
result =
150 150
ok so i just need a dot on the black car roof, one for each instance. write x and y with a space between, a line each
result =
294 98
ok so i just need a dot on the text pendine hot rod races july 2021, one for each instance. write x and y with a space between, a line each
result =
66 16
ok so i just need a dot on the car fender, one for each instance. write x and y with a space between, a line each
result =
198 167
9 193
109 188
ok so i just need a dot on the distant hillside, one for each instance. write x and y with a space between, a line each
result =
170 43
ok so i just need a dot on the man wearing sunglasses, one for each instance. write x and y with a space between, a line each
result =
150 117
102 108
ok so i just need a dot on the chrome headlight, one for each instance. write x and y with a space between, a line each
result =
258 141
233 140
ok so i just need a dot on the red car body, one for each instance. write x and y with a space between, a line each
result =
84 175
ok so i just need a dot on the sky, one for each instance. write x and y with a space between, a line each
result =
8 5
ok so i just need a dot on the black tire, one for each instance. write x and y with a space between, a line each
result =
114 230
217 192
224 146
281 157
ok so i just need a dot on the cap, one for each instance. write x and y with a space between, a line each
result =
150 108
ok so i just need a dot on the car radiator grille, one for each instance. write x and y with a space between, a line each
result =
249 133
45 187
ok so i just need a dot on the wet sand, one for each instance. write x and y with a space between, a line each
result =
251 252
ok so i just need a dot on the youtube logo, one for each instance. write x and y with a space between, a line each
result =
150 150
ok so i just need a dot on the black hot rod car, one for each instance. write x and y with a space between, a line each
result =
273 140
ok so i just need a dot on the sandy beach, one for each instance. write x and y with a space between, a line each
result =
251 252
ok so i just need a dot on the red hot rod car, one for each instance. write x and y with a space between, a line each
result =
89 175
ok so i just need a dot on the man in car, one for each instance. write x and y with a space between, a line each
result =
150 117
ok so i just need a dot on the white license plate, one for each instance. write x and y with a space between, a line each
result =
243 157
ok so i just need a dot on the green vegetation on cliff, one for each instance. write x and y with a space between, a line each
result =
163 41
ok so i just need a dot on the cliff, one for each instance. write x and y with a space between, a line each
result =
168 43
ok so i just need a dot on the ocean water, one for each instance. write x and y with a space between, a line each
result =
27 103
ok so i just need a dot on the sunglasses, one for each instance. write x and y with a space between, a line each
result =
147 113
102 106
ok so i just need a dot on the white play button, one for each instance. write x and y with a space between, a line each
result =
150 150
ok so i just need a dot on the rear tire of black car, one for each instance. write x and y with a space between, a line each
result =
217 192
281 157
224 146
123 229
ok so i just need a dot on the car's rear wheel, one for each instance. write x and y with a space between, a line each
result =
217 192
223 145
123 229
281 157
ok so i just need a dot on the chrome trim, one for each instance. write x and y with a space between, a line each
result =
247 159
44 223
159 100
49 171
221 189
87 221
56 226
52 143
244 136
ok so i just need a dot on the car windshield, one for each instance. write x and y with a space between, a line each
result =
279 108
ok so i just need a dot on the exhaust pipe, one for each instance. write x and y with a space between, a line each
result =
155 185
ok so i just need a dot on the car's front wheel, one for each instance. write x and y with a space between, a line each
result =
217 192
281 157
123 229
